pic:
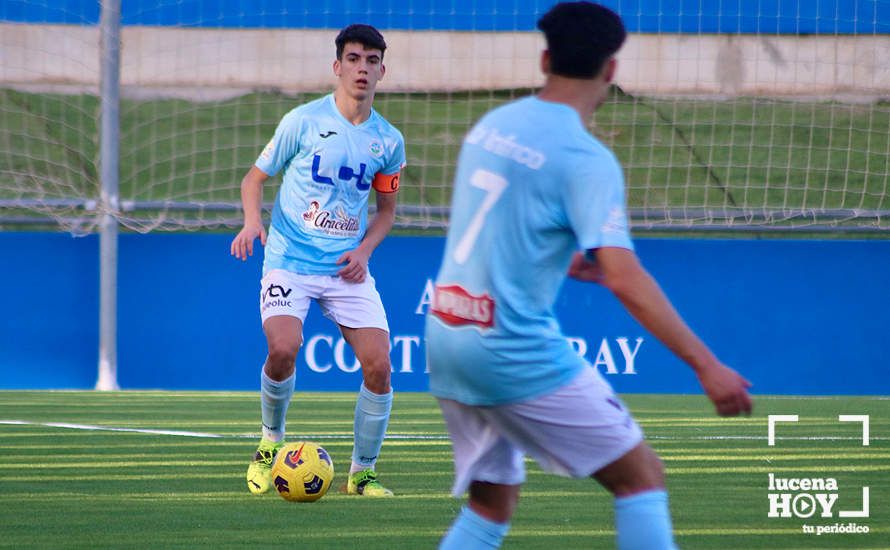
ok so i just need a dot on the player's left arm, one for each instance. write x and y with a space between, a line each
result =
356 260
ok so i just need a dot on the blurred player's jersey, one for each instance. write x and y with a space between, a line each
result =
532 187
321 210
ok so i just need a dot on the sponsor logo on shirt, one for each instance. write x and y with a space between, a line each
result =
455 306
269 150
505 145
616 222
337 223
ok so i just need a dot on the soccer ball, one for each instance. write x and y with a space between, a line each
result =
302 472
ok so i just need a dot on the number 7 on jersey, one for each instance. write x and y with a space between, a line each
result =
493 185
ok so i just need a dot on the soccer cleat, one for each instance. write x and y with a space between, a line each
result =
259 473
365 483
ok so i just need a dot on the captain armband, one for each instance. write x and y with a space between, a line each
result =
386 183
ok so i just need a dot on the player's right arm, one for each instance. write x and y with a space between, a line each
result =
619 270
252 204
281 148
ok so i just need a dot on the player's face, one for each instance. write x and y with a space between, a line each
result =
359 70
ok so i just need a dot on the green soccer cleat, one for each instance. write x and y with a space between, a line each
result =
259 473
365 483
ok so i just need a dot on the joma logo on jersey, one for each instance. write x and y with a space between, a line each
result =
454 305
345 173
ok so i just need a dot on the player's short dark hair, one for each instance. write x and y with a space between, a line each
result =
581 37
366 35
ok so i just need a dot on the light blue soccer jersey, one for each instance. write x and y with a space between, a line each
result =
532 187
321 210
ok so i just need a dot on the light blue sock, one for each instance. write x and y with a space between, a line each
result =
275 397
643 522
371 419
470 531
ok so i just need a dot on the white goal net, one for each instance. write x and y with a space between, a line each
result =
724 118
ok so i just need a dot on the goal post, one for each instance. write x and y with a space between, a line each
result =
109 200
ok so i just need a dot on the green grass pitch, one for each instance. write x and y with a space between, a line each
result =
140 481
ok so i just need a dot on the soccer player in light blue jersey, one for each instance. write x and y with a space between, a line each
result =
537 197
333 151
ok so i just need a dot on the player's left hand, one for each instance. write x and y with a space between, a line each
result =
356 266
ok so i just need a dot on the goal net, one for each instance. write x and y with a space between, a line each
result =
768 115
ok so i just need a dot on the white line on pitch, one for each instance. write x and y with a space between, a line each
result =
408 437
108 428
198 434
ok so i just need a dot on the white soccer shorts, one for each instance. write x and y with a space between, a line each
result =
353 305
574 431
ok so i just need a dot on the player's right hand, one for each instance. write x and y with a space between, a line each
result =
242 244
727 390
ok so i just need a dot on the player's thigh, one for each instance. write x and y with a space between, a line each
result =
481 453
575 430
354 305
284 302
371 348
284 334
370 345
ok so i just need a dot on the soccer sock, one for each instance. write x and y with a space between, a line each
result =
470 531
371 419
643 522
275 397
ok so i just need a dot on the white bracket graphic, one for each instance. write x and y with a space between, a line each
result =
861 513
772 419
858 418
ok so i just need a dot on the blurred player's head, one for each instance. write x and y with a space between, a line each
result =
581 38
366 35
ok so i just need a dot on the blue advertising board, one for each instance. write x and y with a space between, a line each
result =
796 317
794 17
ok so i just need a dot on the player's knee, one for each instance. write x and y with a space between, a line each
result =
282 354
638 471
493 501
649 475
376 371
656 470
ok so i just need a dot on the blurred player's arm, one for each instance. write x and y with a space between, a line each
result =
252 204
357 260
619 270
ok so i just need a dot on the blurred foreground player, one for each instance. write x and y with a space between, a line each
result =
537 196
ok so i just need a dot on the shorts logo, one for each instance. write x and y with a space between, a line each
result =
276 296
455 306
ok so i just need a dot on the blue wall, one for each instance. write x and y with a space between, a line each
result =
797 317
649 16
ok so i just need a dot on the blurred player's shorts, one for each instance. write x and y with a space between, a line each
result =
574 431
